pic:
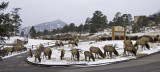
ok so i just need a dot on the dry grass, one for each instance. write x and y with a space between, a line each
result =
141 55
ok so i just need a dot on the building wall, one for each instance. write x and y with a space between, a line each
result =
136 19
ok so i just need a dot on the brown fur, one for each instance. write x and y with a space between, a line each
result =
61 43
98 39
30 53
75 53
111 49
62 54
36 55
47 52
143 42
8 50
88 54
127 43
57 44
17 48
73 43
76 40
130 49
97 51
40 49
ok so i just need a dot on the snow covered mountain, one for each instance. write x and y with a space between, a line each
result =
47 25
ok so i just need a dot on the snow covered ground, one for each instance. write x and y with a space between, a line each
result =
31 42
55 58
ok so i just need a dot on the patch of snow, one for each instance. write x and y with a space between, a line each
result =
55 58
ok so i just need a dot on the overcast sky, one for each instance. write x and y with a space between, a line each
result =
76 11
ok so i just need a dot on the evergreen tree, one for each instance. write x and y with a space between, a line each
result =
119 20
65 29
143 21
93 29
86 28
45 32
39 33
98 21
156 18
32 32
6 22
22 34
16 19
72 27
87 20
54 31
80 28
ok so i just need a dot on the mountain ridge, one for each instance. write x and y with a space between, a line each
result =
45 25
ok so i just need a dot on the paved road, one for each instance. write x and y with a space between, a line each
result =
147 64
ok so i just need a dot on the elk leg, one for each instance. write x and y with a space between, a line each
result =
85 58
35 60
124 52
89 59
105 53
128 52
71 57
98 56
110 54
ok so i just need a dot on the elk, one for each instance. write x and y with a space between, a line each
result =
88 54
30 53
97 51
61 43
75 53
62 54
143 42
127 43
7 50
36 55
57 44
73 42
98 39
47 52
130 49
111 49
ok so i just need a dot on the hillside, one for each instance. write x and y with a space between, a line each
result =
46 25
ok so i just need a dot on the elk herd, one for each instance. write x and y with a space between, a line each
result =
94 52
19 47
108 50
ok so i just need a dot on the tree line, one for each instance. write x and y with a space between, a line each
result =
99 22
9 22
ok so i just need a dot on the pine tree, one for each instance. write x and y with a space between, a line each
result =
7 27
22 34
98 21
80 28
65 29
45 32
16 19
32 32
39 33
72 27
93 29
